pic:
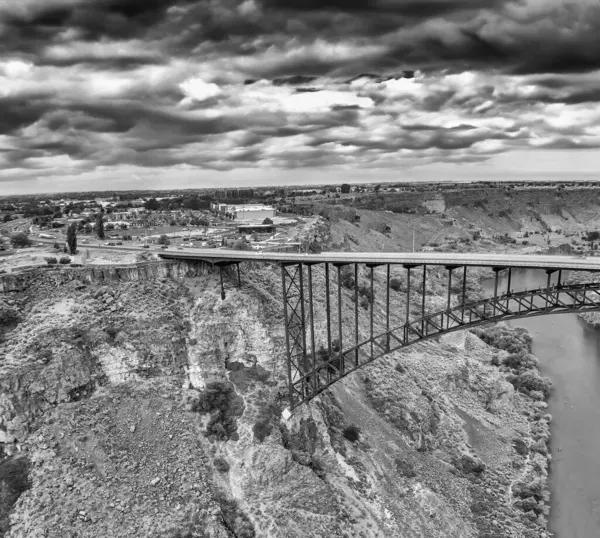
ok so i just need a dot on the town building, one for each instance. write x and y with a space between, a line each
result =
245 213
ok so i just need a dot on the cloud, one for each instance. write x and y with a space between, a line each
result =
195 89
108 85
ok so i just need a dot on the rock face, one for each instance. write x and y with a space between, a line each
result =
145 405
104 274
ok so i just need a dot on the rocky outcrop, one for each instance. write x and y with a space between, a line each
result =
104 274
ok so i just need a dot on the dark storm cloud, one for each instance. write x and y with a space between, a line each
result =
19 111
125 62
409 8
30 27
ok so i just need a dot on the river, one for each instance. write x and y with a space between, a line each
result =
569 353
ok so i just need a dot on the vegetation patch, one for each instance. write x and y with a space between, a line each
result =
405 467
236 521
244 377
264 424
14 480
225 406
221 464
512 340
352 433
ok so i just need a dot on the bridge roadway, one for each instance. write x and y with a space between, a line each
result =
531 261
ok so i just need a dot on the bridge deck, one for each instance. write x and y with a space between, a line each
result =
418 258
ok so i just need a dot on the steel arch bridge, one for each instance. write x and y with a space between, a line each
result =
305 290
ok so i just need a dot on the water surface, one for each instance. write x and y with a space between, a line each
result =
569 353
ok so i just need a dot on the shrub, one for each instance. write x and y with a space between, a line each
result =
64 260
400 368
14 480
520 446
164 240
220 399
532 381
51 260
221 464
347 280
264 424
20 240
396 284
240 244
352 433
314 247
405 468
365 293
112 332
511 340
520 361
262 429
235 520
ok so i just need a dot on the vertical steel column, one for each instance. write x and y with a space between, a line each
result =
496 271
222 287
464 294
408 294
423 300
328 309
387 308
341 345
559 281
356 313
508 288
312 328
372 306
287 337
408 268
301 275
548 284
450 269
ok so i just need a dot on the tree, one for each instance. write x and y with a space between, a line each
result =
164 240
88 228
20 240
109 226
153 204
123 226
100 226
345 188
267 221
72 238
240 244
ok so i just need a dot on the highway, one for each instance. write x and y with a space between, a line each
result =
213 255
531 261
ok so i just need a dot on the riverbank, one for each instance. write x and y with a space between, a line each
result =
529 491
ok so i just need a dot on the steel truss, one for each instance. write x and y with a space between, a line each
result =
310 373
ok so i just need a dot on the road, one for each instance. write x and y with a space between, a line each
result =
532 261
408 258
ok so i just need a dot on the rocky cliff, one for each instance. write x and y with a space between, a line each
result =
58 275
151 407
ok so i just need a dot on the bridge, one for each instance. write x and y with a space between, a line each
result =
324 305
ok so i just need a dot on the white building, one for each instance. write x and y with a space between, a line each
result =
249 213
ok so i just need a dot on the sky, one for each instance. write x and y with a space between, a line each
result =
160 94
